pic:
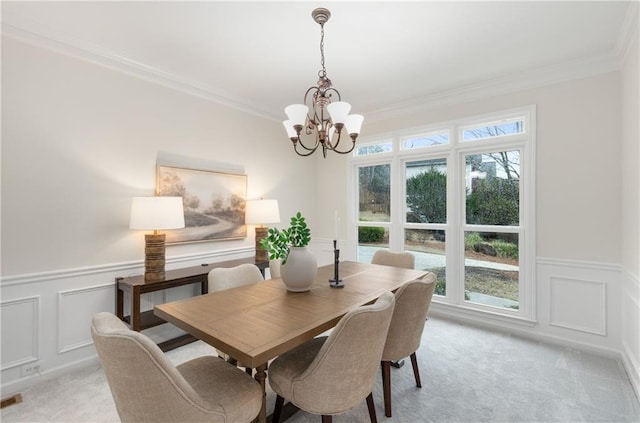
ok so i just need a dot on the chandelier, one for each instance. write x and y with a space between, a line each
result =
325 124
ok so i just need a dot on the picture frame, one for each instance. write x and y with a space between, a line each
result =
213 202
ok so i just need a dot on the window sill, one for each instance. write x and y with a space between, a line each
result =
474 315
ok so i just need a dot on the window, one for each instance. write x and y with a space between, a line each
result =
374 209
461 199
427 140
374 148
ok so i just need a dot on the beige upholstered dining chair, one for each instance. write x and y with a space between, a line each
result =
405 332
389 258
147 387
331 375
222 278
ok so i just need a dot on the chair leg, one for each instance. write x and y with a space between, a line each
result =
386 386
249 371
372 408
416 373
277 409
327 419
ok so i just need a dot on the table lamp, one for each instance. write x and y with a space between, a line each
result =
260 212
155 213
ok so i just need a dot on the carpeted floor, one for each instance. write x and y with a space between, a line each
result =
468 375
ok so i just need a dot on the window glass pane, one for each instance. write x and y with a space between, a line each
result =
371 239
421 141
374 193
428 247
495 129
426 188
382 147
493 188
491 269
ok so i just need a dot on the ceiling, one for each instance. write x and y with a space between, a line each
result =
381 56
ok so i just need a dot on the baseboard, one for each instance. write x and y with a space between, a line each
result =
520 330
632 368
21 384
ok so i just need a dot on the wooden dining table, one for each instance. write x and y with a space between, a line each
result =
256 323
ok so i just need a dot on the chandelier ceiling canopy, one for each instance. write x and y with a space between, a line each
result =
321 120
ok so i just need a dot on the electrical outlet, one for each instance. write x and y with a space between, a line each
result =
30 369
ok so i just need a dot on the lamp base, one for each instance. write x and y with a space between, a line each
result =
154 257
261 253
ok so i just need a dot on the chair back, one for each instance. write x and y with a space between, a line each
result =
389 258
145 385
345 368
222 278
412 305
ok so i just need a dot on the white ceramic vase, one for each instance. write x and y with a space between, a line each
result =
300 271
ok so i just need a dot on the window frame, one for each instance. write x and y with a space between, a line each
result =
456 226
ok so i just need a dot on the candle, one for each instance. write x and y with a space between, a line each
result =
337 223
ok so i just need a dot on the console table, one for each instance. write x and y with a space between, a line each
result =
135 286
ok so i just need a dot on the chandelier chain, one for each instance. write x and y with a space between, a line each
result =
323 72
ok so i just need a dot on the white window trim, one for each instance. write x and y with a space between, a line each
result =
455 226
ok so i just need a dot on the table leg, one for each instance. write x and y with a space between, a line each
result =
261 377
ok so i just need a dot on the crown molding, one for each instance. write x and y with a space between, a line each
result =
518 81
45 37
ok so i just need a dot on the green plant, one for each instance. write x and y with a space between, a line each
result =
506 249
471 239
370 234
278 242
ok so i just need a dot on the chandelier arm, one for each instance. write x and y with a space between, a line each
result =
334 147
335 91
312 149
303 154
353 145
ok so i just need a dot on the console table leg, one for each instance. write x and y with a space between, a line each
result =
135 310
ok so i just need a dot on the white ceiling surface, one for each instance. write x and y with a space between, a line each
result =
262 56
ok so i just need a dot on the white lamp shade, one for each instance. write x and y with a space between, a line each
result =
354 123
339 111
259 212
291 132
152 213
297 113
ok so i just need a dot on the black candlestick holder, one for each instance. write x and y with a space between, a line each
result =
336 282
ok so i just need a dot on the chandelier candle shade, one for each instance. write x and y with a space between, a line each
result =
155 213
324 122
260 212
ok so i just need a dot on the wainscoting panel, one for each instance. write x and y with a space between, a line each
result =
76 307
631 328
20 322
46 316
578 305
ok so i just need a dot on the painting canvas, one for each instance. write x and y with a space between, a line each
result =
213 202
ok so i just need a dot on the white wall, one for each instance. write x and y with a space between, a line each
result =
78 141
630 210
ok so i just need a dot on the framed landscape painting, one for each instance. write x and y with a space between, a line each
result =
213 202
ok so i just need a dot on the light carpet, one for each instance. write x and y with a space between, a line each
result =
469 374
